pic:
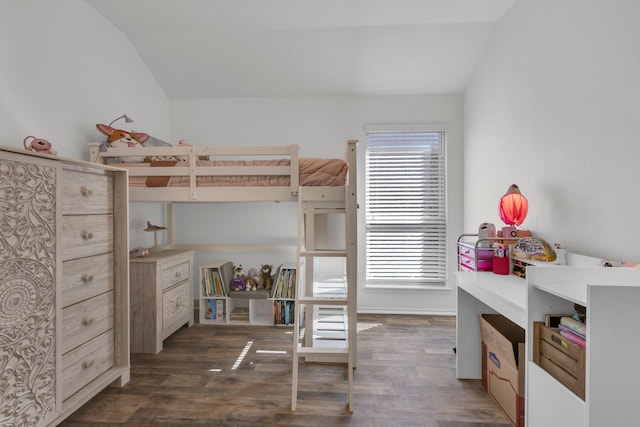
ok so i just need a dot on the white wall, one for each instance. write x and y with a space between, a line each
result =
64 69
321 126
555 108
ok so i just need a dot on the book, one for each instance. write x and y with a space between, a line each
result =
572 336
576 326
210 308
239 314
219 309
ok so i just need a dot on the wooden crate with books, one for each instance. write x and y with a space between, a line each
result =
561 352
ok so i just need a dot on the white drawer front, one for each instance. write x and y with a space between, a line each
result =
176 274
86 277
86 362
175 304
86 235
86 193
86 320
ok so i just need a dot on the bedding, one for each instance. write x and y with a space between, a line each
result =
313 172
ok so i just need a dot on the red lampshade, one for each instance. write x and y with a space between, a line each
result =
513 206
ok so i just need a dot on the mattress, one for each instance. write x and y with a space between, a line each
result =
313 172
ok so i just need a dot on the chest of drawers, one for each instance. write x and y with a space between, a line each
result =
161 298
64 290
472 258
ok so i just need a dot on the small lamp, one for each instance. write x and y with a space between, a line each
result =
513 210
124 116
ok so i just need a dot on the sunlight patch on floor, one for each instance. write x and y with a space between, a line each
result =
242 355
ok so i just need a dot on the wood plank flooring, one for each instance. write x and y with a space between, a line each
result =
241 376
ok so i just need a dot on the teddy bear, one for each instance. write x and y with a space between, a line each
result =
265 281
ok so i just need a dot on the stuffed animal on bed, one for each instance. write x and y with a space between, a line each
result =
119 138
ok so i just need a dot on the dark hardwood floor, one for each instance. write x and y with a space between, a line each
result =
241 376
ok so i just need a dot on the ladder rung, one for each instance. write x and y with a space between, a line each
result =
319 211
323 300
322 351
325 253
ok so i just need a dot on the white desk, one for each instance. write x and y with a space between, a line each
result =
610 296
478 293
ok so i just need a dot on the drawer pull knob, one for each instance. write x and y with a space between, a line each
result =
85 191
177 274
88 320
87 278
87 363
87 235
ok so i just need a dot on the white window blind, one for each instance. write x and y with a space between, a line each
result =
405 207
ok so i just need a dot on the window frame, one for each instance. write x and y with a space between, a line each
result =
436 279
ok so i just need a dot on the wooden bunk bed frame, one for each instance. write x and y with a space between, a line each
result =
316 197
195 192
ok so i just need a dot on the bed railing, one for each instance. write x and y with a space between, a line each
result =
191 170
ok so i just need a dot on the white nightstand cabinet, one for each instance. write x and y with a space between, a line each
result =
161 298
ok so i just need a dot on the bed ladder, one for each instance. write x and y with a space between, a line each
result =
325 310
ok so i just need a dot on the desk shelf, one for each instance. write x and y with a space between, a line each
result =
610 296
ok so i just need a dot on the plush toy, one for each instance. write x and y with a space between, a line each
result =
119 138
253 275
265 281
238 271
39 145
237 285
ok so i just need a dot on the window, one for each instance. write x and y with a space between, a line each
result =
405 207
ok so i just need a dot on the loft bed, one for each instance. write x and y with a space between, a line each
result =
194 174
229 174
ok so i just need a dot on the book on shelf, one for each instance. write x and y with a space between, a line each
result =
285 286
575 325
214 309
210 309
572 336
283 312
239 314
215 278
219 309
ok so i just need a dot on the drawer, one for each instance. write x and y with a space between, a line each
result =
86 193
561 358
468 250
176 304
86 235
466 268
483 265
86 320
86 277
176 273
85 363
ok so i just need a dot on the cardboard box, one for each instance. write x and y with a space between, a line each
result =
503 364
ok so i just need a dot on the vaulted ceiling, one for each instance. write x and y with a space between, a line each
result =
258 48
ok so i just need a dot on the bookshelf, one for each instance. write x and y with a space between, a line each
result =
214 282
220 306
284 296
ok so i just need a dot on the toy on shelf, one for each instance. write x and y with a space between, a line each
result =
39 145
154 229
265 281
138 252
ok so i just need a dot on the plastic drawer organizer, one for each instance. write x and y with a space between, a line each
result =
474 256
